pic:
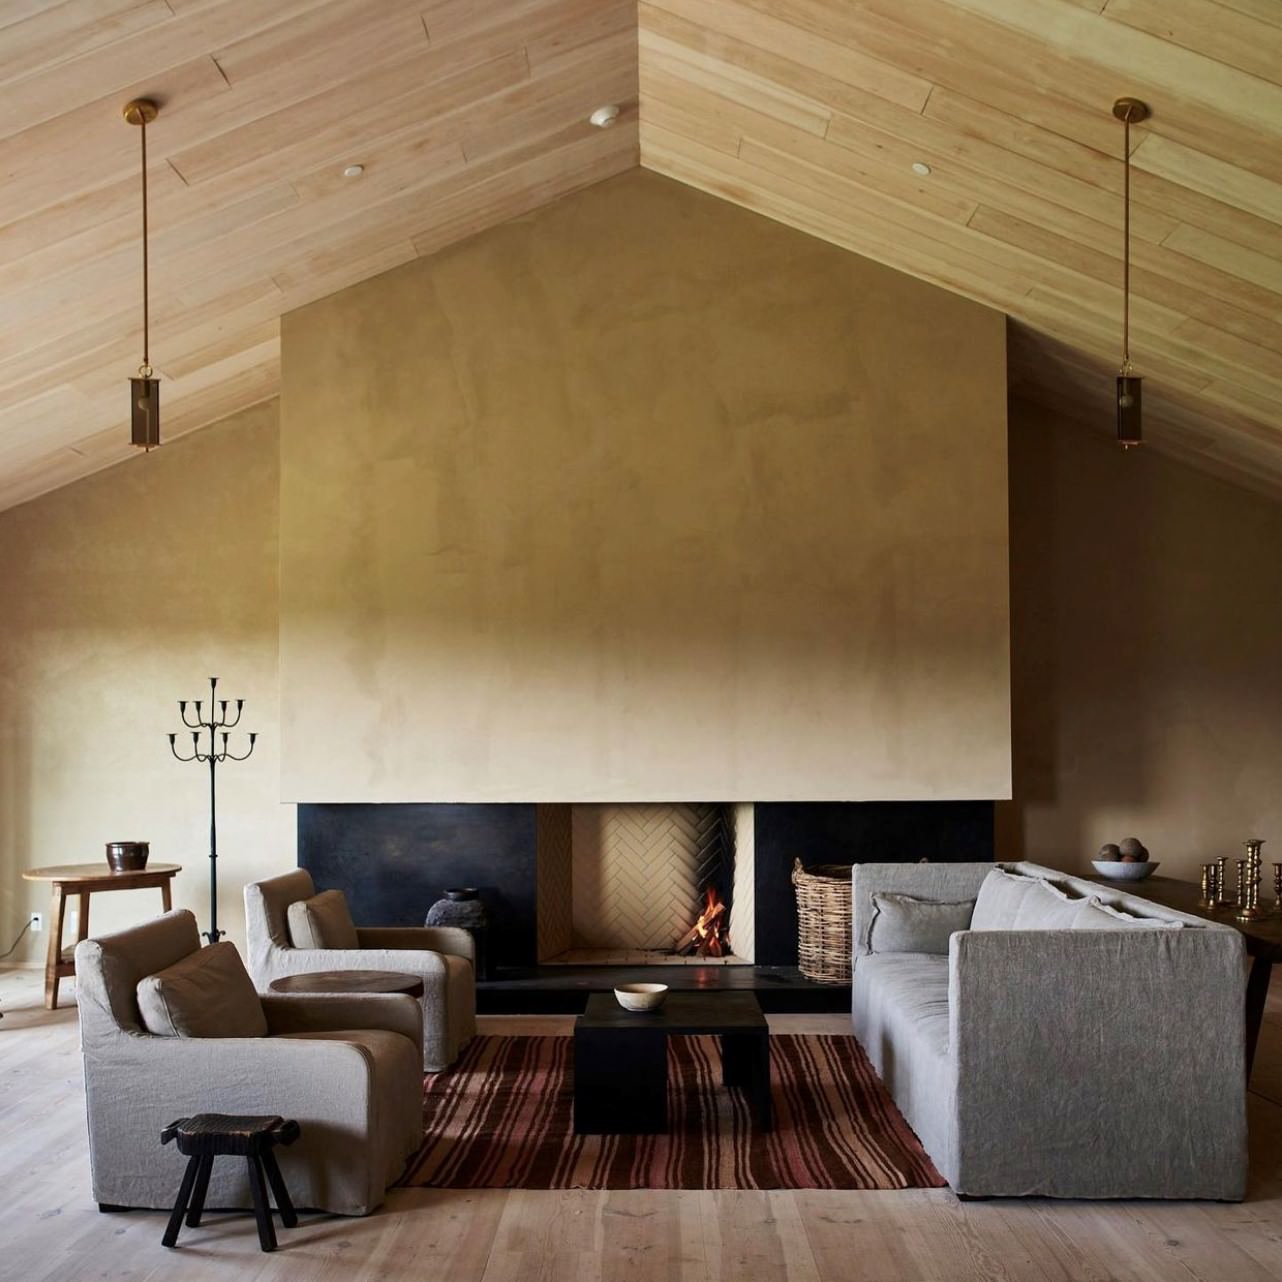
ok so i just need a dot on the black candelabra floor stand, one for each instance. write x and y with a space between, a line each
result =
217 724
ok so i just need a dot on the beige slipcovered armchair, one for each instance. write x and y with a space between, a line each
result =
345 1068
442 956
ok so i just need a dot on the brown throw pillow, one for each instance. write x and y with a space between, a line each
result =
322 922
207 994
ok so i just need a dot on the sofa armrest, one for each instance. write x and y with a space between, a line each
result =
453 940
322 1012
1099 1063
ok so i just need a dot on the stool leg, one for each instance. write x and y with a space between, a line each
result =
284 1203
180 1206
262 1212
197 1206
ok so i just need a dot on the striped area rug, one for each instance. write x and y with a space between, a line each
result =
503 1118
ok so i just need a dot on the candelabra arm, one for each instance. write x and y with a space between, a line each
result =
191 725
249 752
224 724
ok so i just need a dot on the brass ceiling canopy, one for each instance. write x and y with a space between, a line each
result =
140 111
1131 110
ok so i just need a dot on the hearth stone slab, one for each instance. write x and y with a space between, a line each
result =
637 957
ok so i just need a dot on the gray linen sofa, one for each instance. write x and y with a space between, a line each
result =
1099 1060
442 956
346 1068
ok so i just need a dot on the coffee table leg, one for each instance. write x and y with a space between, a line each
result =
745 1062
620 1081
53 959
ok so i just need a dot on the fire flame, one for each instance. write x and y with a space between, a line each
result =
707 936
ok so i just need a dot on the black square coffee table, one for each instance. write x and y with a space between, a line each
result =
621 1058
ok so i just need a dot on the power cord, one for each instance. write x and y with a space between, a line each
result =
14 945
17 941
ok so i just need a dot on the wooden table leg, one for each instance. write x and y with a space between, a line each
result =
83 930
166 894
1257 991
53 959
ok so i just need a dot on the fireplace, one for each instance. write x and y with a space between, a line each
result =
557 906
644 884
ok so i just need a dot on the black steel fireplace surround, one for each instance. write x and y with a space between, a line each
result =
393 861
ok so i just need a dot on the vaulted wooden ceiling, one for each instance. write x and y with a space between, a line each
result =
467 112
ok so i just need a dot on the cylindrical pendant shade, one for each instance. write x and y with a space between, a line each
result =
145 412
1130 427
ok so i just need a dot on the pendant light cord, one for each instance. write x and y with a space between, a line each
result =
1126 244
145 371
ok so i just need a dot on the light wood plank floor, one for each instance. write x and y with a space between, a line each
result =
50 1229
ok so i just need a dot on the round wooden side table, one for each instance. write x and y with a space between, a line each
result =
84 880
349 981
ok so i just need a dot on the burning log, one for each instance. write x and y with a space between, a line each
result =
707 936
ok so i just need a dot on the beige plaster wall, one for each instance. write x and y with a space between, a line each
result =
643 497
1146 632
123 593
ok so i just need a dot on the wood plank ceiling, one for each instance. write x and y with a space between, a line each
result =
464 113
814 112
467 112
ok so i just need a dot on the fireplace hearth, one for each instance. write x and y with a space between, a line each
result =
393 861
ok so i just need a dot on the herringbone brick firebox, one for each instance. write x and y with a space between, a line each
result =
621 883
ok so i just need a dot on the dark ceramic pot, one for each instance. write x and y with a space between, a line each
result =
128 856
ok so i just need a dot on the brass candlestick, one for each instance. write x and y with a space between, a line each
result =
1208 887
1249 883
1222 882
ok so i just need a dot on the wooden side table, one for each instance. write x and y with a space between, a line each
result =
83 880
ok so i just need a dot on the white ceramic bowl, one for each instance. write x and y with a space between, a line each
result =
1116 870
641 996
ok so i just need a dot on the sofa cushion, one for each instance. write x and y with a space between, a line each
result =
906 995
322 922
1048 907
1094 914
905 924
207 994
1000 896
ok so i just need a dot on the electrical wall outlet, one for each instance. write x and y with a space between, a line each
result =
37 923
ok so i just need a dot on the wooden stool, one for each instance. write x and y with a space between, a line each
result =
209 1135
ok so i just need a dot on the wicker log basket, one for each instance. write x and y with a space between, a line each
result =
824 917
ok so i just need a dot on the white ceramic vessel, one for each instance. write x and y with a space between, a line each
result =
641 996
1116 870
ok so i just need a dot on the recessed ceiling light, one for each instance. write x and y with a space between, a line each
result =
353 171
921 167
604 117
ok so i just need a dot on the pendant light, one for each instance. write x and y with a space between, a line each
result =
144 391
1130 427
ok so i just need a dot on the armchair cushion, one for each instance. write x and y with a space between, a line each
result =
206 994
322 921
